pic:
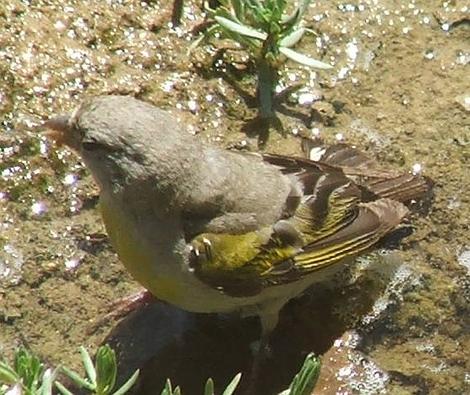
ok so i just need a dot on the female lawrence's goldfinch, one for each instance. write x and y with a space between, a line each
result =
210 230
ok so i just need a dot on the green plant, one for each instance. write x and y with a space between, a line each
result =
304 381
266 32
101 376
302 384
229 390
27 375
208 388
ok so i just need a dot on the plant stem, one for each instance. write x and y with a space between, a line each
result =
267 81
177 12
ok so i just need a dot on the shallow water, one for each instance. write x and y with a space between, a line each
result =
399 91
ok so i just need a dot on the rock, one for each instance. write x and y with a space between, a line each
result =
346 370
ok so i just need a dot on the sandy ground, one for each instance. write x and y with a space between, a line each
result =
399 91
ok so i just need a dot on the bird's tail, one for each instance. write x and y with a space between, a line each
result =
376 182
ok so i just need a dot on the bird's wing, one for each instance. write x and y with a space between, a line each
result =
330 223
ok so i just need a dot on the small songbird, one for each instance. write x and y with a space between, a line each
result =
212 230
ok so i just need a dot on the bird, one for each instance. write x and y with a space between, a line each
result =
212 230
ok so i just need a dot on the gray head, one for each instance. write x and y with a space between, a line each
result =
124 141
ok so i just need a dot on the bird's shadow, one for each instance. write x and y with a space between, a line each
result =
165 342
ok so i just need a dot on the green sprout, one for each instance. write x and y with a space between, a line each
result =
229 390
304 381
27 375
208 388
267 33
101 376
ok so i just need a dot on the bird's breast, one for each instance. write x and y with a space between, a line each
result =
139 257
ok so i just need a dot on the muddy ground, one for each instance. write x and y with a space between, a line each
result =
400 91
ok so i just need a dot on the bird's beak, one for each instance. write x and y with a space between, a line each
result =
58 129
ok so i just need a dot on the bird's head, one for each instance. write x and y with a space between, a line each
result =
123 141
